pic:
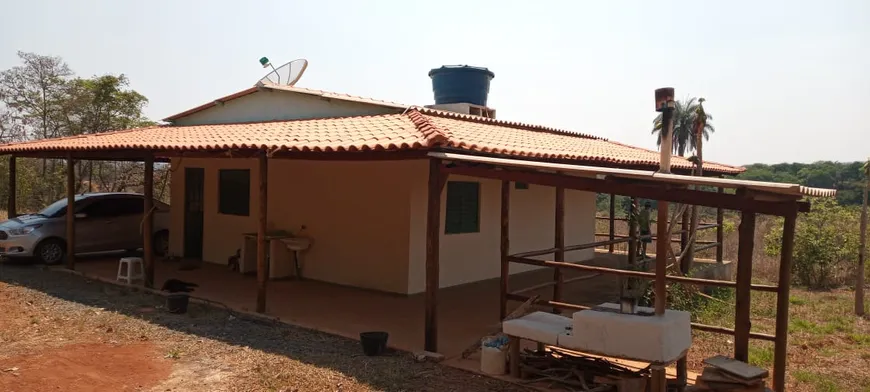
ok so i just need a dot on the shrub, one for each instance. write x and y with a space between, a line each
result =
825 245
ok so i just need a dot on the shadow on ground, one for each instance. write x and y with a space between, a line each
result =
222 324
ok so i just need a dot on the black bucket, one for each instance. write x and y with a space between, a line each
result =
373 343
177 302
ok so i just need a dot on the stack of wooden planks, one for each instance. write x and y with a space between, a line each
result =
725 374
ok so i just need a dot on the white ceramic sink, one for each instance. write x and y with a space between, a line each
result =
296 244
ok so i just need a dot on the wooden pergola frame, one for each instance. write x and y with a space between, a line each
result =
749 203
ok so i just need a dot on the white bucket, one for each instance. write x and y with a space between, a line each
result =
493 361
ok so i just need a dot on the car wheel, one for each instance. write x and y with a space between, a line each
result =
50 251
160 243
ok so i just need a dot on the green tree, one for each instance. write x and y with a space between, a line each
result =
102 104
42 98
825 244
685 116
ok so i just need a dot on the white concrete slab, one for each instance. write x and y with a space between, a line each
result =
538 326
649 338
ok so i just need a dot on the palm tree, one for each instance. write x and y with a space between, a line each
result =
685 115
859 284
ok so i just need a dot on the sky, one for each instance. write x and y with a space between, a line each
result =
783 80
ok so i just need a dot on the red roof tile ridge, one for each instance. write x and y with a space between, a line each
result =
432 134
737 168
510 124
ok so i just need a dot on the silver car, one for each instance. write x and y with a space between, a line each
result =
104 222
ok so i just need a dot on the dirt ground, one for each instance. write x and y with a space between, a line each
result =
67 333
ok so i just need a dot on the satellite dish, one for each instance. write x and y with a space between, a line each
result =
285 75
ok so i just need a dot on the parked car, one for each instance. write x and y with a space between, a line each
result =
103 222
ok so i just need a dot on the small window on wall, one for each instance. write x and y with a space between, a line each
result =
234 192
463 208
521 185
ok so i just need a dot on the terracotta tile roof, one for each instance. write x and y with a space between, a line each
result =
414 129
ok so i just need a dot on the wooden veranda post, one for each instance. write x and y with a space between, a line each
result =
433 243
559 244
11 209
148 222
505 245
70 212
665 104
262 265
612 219
742 324
720 232
632 232
780 345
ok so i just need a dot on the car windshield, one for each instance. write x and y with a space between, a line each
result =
57 208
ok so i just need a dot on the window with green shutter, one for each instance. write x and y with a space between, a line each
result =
234 192
463 207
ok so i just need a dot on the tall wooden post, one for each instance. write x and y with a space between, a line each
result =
70 212
11 209
612 220
720 232
780 345
559 244
665 104
262 265
148 221
505 245
433 243
742 324
632 232
662 245
862 250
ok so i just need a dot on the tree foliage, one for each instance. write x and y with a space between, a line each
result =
845 177
42 98
825 244
685 116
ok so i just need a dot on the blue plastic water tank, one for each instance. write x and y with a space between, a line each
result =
461 84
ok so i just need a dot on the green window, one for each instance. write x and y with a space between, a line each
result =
463 207
234 192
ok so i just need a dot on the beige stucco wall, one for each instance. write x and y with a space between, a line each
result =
368 221
269 105
471 257
356 212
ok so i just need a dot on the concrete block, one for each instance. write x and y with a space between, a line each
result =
538 326
656 339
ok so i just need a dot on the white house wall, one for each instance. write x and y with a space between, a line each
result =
471 257
270 105
368 221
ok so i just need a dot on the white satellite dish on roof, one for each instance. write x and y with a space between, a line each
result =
285 75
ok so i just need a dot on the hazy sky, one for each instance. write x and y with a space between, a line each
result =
784 80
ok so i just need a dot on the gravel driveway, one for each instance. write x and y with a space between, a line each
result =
85 335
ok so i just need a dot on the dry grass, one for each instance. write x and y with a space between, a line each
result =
210 349
829 347
3 214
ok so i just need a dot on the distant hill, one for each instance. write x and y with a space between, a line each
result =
845 177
